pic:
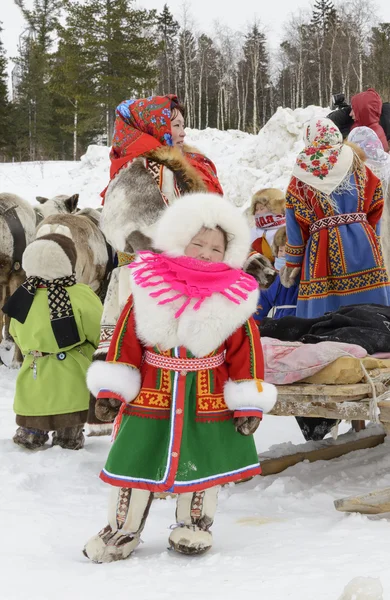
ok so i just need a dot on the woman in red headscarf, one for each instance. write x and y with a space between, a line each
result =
150 167
147 126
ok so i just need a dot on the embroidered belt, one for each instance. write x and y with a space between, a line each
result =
337 220
184 364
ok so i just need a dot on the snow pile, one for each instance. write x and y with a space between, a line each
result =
245 162
363 588
87 177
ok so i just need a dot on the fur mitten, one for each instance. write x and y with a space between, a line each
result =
288 275
246 425
261 269
106 409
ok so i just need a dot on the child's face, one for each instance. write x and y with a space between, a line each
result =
260 209
282 251
207 244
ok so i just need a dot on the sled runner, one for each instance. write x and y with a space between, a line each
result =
373 503
321 450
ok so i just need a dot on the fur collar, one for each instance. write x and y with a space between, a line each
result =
186 175
201 331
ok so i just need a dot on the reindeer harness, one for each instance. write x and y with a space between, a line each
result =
15 226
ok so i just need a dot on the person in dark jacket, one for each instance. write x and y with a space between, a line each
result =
341 114
278 299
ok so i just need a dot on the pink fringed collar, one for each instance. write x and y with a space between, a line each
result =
190 279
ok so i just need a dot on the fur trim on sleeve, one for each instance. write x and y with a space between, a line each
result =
121 379
250 394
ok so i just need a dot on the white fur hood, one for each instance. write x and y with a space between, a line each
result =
182 221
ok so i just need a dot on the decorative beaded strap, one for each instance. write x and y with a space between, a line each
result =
186 364
124 258
156 170
337 220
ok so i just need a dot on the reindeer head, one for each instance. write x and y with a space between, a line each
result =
58 205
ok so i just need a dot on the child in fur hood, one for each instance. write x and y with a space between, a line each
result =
267 210
282 300
186 364
56 324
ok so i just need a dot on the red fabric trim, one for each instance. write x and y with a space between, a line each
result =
206 169
270 220
194 487
144 144
294 265
214 418
223 480
133 410
178 426
248 412
110 394
189 364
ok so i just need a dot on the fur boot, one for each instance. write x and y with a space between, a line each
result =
30 438
127 514
70 438
95 430
194 516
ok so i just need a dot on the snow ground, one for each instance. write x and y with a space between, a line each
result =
275 538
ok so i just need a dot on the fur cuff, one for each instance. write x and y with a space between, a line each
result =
288 275
250 394
120 379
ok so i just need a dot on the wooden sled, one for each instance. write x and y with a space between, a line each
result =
374 503
322 450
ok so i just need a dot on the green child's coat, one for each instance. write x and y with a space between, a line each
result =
55 384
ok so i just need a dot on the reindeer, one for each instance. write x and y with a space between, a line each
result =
18 221
94 256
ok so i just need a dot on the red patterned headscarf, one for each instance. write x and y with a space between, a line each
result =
144 125
140 126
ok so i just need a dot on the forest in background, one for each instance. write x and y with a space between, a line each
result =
77 61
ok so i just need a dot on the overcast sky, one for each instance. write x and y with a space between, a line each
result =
236 14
